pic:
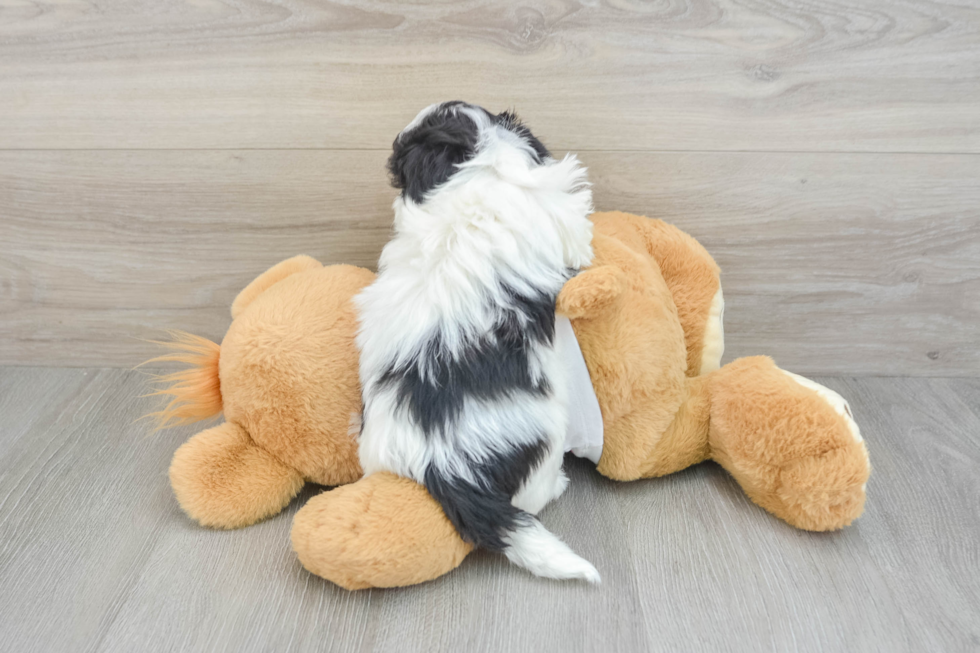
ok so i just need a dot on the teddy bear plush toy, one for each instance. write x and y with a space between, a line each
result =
647 316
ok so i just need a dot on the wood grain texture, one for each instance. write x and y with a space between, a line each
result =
866 75
160 240
95 555
832 263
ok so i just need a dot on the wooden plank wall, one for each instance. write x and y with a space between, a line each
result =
156 156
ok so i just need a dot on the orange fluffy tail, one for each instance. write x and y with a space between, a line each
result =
195 392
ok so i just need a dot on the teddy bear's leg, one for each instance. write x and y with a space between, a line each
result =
223 479
685 441
381 531
690 273
791 444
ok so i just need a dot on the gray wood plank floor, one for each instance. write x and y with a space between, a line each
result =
95 555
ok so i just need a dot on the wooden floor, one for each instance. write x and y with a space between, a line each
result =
95 554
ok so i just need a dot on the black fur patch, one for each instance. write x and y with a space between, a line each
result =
427 155
509 121
493 367
482 512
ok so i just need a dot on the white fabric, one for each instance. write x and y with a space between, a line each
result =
584 437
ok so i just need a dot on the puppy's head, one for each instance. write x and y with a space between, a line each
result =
443 137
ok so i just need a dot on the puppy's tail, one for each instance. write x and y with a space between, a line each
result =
533 547
487 518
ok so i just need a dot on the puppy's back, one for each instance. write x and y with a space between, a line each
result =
457 332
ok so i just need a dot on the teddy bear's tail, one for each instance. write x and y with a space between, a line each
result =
195 392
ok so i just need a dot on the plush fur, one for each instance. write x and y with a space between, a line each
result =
224 478
288 395
410 534
289 386
458 369
194 391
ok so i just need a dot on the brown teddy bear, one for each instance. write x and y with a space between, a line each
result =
648 319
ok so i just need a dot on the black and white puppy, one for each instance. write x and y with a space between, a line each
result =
458 365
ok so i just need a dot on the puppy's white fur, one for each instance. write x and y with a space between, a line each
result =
502 220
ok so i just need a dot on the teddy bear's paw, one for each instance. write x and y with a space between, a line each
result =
827 491
791 443
382 531
833 399
222 479
591 291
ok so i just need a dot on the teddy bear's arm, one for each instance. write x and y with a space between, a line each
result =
269 278
591 291
692 276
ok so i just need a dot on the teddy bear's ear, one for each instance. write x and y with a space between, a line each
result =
428 151
271 277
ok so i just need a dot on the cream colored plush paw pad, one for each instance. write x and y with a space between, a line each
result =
838 403
714 335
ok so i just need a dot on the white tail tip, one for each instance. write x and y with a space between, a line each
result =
534 548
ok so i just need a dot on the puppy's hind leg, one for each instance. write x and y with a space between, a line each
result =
544 485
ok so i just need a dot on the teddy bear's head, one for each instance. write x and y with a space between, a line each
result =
289 374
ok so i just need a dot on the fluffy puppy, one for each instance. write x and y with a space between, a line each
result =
461 382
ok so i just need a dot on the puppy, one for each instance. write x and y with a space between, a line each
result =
458 367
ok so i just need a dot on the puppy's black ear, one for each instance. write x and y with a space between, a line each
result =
509 121
426 155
